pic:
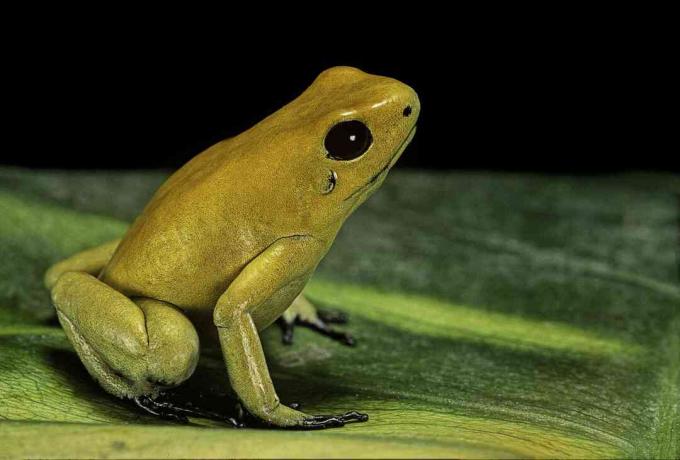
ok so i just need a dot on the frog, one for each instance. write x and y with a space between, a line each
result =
226 245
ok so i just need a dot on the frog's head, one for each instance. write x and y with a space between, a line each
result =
350 128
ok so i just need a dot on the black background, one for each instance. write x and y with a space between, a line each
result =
552 99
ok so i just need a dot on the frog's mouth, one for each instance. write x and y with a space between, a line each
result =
385 169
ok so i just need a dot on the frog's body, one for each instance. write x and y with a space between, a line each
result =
234 236
173 243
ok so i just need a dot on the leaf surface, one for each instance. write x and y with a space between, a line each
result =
497 316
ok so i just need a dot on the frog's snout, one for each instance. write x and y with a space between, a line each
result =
410 101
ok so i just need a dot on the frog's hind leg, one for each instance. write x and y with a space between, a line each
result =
133 348
90 261
303 313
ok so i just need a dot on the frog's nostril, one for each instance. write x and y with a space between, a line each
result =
407 111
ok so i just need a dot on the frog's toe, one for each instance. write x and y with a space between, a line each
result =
354 416
333 421
323 328
320 422
287 329
320 323
159 409
333 316
181 414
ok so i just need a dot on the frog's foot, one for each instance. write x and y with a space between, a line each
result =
162 410
176 413
332 421
290 418
303 313
322 326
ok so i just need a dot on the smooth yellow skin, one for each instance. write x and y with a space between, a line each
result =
228 243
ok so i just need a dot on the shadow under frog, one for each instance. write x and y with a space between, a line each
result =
226 245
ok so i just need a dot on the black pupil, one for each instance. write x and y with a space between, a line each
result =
348 140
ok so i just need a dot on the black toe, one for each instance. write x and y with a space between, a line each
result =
333 421
286 331
333 316
170 411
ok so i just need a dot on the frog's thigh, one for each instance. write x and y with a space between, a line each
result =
90 261
131 348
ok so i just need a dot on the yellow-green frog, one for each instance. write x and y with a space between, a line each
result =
227 244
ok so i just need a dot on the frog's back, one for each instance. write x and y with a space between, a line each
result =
195 234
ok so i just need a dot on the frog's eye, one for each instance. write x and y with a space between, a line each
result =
348 140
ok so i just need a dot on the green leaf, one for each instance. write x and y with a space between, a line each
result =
497 316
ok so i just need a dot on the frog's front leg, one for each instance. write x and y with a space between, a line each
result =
260 293
303 313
